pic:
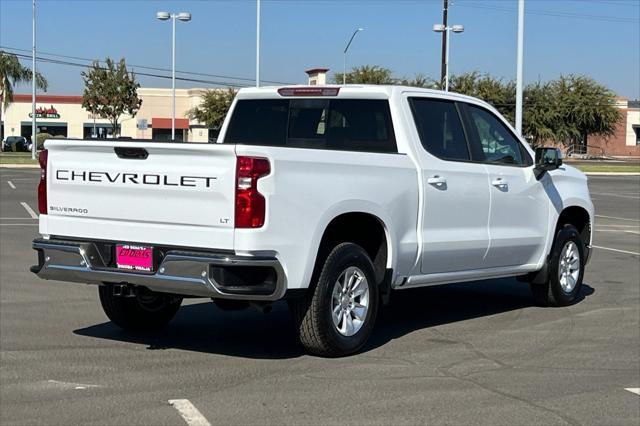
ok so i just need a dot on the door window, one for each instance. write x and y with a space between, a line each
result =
497 142
440 128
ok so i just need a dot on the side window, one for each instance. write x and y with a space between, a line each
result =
440 128
360 125
498 144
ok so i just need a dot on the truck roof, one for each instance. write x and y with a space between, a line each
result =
372 91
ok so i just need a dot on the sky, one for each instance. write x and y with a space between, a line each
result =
598 38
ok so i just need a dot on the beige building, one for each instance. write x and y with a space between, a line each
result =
63 115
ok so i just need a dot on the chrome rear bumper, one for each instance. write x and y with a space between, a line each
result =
189 273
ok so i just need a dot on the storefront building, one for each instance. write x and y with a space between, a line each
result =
625 141
64 116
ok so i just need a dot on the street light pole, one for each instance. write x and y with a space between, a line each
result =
344 73
446 61
173 80
440 28
445 43
34 144
519 66
184 17
257 43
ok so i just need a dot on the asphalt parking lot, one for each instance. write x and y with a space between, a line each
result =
472 353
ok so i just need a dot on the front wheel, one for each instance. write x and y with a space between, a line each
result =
566 270
147 310
337 317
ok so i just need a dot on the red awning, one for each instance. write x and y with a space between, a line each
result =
165 123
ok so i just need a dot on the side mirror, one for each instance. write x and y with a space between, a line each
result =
547 159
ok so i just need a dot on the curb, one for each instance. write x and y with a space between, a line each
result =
19 166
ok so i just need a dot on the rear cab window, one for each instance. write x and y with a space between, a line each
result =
362 125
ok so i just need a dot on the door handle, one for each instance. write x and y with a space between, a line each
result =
500 183
437 181
131 153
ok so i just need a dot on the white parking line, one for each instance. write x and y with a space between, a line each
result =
633 390
608 194
189 412
11 184
616 250
626 231
29 210
15 218
70 385
618 218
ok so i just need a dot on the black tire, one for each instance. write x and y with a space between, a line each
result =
146 311
552 293
313 313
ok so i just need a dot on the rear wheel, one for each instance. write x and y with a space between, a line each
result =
566 270
338 315
146 310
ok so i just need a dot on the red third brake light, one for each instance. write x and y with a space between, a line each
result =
42 186
309 91
250 204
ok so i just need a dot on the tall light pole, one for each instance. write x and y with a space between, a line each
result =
257 43
519 66
344 74
440 28
34 144
184 17
445 44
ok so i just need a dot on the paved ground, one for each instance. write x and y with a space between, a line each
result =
475 353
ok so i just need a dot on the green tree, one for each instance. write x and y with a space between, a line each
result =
12 72
584 107
500 94
366 74
110 91
214 107
420 80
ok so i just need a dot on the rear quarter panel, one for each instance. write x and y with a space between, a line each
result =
307 189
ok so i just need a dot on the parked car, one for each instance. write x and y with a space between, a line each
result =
20 142
328 197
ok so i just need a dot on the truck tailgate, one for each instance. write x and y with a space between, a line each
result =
156 193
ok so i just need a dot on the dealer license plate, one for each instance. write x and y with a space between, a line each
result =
134 257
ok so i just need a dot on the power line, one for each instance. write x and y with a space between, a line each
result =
74 64
201 74
603 18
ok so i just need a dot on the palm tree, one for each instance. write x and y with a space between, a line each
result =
13 72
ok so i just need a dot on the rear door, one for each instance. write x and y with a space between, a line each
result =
519 203
456 194
157 193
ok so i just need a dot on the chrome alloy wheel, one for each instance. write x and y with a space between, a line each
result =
569 267
350 301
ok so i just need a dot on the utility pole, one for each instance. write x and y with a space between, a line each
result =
34 144
519 83
257 43
443 64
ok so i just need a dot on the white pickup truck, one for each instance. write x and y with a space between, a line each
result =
328 197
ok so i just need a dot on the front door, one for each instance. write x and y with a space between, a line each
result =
519 204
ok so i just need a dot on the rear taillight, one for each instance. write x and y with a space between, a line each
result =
42 186
250 204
